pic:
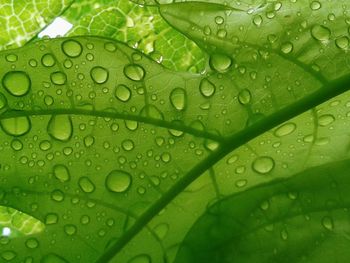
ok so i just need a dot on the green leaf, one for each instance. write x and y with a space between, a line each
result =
20 21
140 27
301 219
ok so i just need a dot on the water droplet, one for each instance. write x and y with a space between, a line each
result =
48 60
232 159
61 172
72 48
122 93
32 243
86 185
287 47
284 234
16 126
244 96
178 98
315 5
118 181
51 219
58 78
53 258
327 222
220 62
263 164
325 119
8 255
207 88
134 72
45 145
99 75
257 20
161 230
16 145
11 57
70 229
285 129
128 145
89 140
143 258
110 47
17 83
342 42
321 33
219 20
57 195
166 157
131 125
60 127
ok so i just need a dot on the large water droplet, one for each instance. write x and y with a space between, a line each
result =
86 185
244 96
72 48
58 78
118 181
53 258
17 83
16 126
285 129
60 127
61 172
321 33
220 62
99 74
122 93
178 98
207 88
263 164
134 72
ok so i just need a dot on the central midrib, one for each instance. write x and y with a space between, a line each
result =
328 91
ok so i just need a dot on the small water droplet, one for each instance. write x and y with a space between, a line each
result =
61 172
48 60
60 127
57 195
287 47
89 140
207 88
327 222
86 185
17 83
118 181
110 47
326 119
285 129
8 255
178 98
17 126
134 72
128 145
263 164
220 62
321 33
244 96
99 74
257 20
58 78
70 229
342 42
11 57
32 243
161 230
16 145
72 48
51 219
315 5
122 93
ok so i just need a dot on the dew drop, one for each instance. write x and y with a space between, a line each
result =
285 129
321 33
53 258
342 42
118 181
327 223
315 5
178 98
122 93
161 230
110 47
128 145
70 229
48 60
58 78
89 140
17 126
325 120
60 127
220 62
257 20
32 243
86 185
131 125
17 83
16 145
51 219
207 88
72 48
57 195
263 164
8 255
99 75
143 258
61 172
244 96
134 72
287 47
11 57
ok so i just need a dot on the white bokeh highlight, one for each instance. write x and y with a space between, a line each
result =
59 27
